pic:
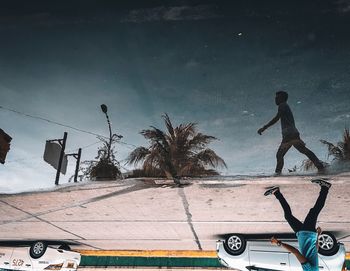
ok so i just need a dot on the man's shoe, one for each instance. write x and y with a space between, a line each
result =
322 182
271 190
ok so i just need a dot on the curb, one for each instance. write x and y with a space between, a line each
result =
154 258
151 253
150 258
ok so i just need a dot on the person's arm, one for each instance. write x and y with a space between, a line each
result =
289 248
319 231
271 122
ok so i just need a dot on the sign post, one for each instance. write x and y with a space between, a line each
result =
55 156
62 142
76 156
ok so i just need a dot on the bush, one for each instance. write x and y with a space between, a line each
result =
106 167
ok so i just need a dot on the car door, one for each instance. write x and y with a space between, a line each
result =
20 259
265 256
5 257
296 266
254 268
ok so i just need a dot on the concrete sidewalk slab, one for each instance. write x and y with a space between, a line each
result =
155 214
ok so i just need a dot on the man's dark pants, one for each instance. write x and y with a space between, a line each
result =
311 218
295 141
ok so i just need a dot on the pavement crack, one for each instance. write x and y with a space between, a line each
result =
95 199
186 205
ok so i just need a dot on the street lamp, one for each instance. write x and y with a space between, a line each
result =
104 110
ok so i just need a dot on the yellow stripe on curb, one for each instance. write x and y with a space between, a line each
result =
150 253
156 253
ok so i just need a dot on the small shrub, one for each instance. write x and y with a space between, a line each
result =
106 166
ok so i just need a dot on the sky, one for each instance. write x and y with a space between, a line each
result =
215 63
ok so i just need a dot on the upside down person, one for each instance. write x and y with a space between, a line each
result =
306 232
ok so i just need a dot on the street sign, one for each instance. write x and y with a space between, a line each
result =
52 156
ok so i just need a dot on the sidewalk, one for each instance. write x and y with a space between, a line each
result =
137 214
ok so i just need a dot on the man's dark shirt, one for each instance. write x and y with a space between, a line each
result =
289 131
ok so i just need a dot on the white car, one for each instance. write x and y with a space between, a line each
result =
37 256
255 252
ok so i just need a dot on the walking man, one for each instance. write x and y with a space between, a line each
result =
306 232
290 134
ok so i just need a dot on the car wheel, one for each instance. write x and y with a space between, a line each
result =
64 247
37 249
235 244
327 244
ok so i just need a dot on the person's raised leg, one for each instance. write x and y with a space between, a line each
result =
311 218
281 152
293 222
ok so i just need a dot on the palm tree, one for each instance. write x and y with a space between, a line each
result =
179 151
341 151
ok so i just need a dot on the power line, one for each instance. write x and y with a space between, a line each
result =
63 125
70 151
50 121
21 159
85 147
127 144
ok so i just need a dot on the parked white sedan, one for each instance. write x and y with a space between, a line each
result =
255 252
38 256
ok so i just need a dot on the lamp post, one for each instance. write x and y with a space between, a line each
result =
104 110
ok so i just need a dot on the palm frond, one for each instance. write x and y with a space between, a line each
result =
185 130
200 140
333 150
169 125
138 155
156 135
345 146
209 157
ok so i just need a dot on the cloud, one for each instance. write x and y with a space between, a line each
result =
180 13
46 19
343 6
342 118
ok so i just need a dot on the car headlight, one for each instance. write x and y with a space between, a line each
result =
54 267
222 261
70 265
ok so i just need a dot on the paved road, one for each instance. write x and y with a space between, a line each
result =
148 214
